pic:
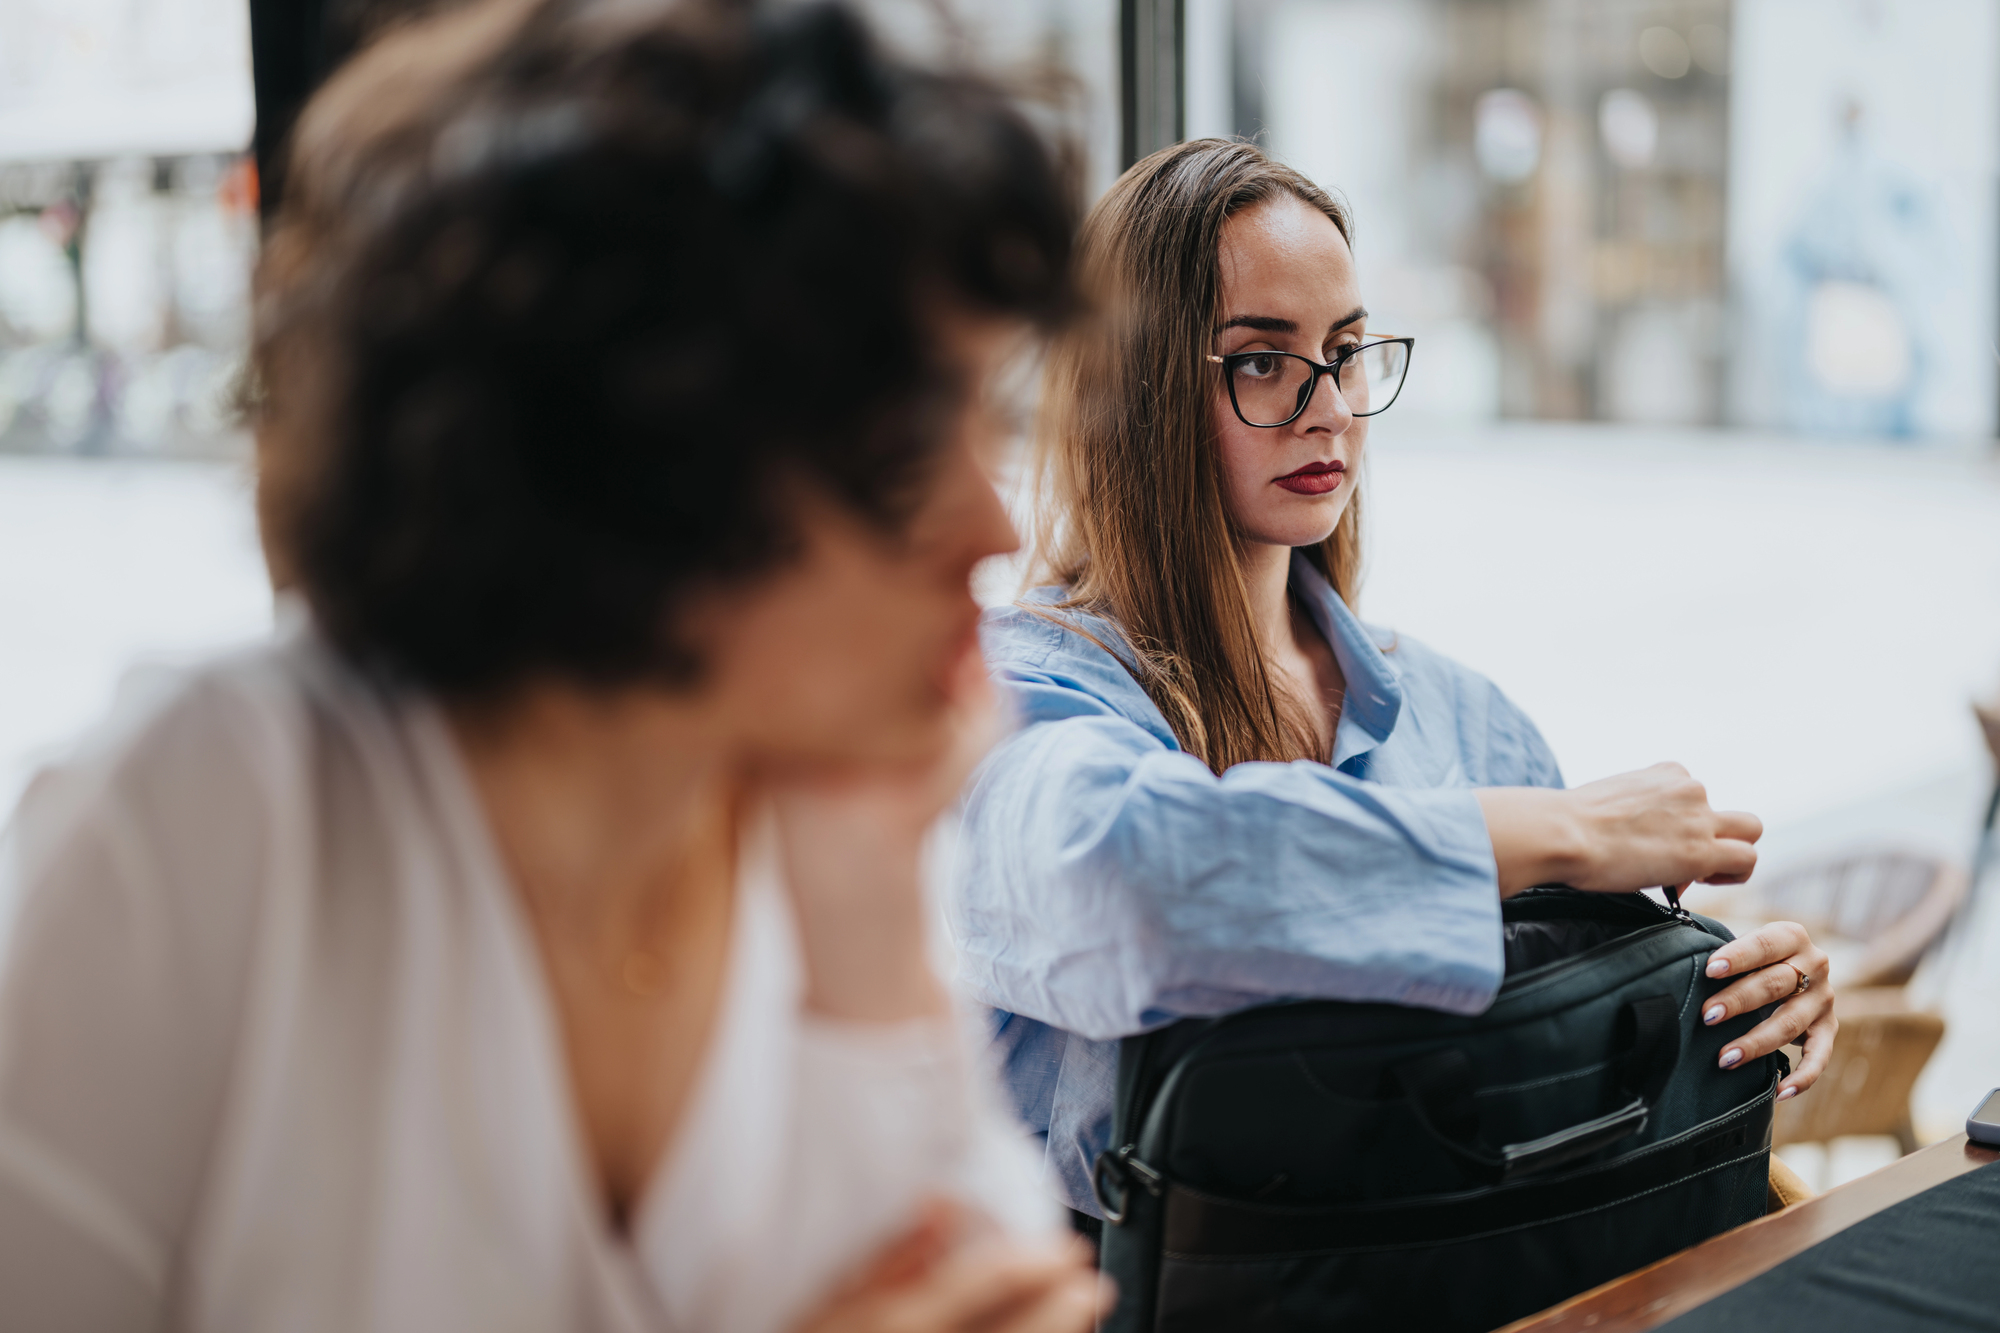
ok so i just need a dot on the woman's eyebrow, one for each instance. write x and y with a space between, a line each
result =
1262 323
1273 324
1359 312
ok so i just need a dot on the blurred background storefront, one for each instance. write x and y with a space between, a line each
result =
1772 213
1696 457
127 224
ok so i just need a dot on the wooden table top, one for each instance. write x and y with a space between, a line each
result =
1680 1282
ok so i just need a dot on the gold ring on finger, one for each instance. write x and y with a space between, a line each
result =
1805 979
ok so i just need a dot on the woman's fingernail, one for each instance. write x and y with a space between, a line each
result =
1731 1056
1718 967
1788 1092
1713 1015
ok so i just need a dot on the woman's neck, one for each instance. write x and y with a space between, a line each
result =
1267 573
594 799
1300 660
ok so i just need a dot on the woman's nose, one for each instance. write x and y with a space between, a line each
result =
1328 407
990 528
966 518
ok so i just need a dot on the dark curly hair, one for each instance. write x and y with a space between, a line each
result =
566 297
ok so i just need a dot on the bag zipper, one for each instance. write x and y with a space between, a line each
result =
1663 919
1674 898
1606 906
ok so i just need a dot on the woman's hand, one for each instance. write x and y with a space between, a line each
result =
1633 831
938 1277
853 809
852 843
1769 963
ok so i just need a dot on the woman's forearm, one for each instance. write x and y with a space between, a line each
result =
853 868
866 951
1105 883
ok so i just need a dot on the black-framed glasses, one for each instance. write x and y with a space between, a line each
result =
1272 388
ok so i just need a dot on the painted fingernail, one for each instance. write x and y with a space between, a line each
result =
1718 967
1713 1015
1731 1056
1788 1092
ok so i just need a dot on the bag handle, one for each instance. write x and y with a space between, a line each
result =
1439 1089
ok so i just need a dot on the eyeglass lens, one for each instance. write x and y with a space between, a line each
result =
1271 387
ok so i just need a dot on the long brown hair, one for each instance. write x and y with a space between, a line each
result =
1133 516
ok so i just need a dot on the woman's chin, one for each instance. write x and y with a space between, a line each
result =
1289 519
1296 533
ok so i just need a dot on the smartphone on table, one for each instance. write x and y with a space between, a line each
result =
1983 1125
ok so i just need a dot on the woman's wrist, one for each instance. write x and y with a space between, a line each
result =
1539 836
863 928
852 859
870 967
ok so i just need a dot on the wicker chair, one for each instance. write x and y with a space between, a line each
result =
1896 903
1882 1047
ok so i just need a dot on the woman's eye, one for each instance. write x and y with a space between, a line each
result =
1257 367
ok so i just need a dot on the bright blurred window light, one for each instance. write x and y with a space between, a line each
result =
111 78
1856 340
1508 137
1630 126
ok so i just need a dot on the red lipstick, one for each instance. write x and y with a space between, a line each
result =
1313 478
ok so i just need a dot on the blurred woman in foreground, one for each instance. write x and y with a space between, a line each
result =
530 937
1228 789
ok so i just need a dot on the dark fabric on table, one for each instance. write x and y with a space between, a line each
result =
1930 1262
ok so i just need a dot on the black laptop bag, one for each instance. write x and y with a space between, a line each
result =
1329 1166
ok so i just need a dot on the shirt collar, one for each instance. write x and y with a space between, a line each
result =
1374 687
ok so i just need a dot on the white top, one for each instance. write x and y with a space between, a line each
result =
276 1052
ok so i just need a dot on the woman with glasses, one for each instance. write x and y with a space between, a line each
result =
1225 788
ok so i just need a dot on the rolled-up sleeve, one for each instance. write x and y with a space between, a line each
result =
1109 882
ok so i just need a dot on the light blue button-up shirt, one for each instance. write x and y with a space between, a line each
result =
1108 883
